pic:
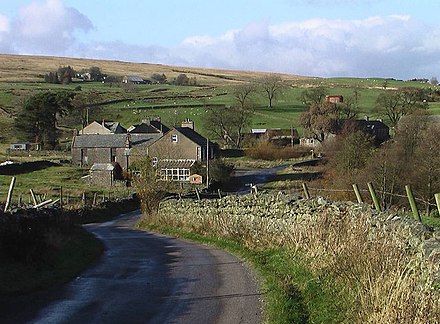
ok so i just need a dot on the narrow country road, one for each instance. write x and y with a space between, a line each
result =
146 278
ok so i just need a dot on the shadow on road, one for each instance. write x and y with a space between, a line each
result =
131 282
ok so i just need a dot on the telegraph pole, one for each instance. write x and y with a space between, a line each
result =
207 163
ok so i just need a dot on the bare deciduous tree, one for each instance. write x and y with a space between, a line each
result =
272 85
228 123
313 96
320 120
149 187
398 103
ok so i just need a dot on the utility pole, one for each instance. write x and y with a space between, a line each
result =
207 163
291 136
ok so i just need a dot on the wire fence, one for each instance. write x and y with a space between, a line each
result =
389 194
68 199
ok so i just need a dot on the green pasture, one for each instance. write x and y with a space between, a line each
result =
46 183
176 103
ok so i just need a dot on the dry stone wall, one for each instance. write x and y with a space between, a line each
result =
280 219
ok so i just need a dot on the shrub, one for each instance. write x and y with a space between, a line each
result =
267 151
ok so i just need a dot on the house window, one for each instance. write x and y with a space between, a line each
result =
175 174
154 161
174 138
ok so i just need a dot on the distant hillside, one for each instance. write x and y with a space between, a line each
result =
33 68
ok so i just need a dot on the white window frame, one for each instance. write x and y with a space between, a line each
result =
174 138
175 174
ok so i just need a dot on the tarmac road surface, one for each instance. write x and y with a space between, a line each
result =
146 278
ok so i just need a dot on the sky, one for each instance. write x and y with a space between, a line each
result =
322 38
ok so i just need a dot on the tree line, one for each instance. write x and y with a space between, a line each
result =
66 74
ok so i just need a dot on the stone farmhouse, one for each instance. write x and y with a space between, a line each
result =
109 148
177 151
103 145
377 128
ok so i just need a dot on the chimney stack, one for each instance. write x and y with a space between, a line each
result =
188 123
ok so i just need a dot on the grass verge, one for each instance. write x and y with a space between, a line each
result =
290 292
58 266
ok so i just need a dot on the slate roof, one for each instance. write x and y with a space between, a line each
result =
111 126
176 164
143 129
370 124
113 140
133 78
194 136
114 127
158 125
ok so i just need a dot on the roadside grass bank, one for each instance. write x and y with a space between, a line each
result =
40 248
76 251
333 262
288 286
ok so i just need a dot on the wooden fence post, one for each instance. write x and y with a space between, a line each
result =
437 200
94 199
34 198
306 190
357 193
219 193
61 197
373 196
44 203
198 194
412 203
83 199
8 199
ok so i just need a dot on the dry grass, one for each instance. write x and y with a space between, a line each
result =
31 68
378 261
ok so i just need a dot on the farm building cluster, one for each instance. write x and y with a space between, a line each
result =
109 149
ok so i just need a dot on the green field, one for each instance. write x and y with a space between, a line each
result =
46 185
175 103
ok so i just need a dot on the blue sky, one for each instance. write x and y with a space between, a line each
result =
360 38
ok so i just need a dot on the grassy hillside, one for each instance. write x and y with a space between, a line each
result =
22 76
30 68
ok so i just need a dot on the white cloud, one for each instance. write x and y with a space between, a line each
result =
4 24
391 46
45 27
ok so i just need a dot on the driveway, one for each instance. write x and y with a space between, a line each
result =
146 278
